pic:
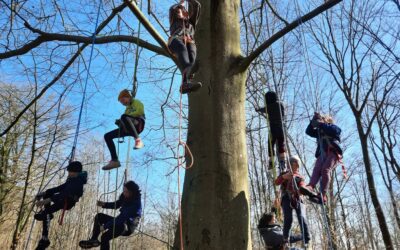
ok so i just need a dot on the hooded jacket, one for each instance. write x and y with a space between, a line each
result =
129 211
180 27
70 191
273 236
135 109
327 135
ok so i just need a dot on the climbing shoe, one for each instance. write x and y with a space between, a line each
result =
308 190
138 144
89 243
190 87
112 164
43 244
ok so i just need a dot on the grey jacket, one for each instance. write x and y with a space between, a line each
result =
273 236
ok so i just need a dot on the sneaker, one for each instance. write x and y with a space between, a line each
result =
43 244
190 87
308 190
42 216
89 243
138 144
112 164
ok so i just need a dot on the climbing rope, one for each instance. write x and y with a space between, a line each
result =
72 156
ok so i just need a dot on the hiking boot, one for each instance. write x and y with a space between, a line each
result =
112 164
189 87
89 243
43 244
41 216
138 144
308 190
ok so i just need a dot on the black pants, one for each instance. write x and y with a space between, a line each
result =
127 127
276 137
186 54
101 219
47 212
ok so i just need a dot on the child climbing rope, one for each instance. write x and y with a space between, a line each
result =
124 224
291 199
328 154
181 42
272 233
275 114
64 197
131 124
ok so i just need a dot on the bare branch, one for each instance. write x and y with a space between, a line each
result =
64 69
245 62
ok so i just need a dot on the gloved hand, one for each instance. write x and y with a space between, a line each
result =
43 202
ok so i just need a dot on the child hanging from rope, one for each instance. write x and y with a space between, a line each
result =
275 115
64 197
181 42
328 154
290 182
272 233
130 207
131 124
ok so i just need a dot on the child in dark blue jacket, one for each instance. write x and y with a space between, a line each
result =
328 152
130 207
64 196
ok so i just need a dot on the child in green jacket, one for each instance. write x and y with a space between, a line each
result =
131 123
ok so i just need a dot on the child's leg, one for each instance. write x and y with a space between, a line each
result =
316 172
301 217
287 216
329 164
192 53
99 219
109 235
130 126
108 137
179 49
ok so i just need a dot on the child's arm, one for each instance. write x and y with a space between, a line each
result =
281 178
112 205
194 12
51 191
311 131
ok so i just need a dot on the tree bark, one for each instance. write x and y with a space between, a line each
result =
371 185
215 199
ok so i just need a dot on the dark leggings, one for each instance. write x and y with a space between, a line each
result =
101 219
276 137
186 54
48 210
126 128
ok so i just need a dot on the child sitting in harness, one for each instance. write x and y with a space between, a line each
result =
181 42
328 154
131 123
275 114
290 183
272 233
130 207
64 197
